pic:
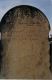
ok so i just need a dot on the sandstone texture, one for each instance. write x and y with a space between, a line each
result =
25 43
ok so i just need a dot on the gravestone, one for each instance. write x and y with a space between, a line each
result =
25 32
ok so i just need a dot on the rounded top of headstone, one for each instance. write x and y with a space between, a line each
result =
25 42
21 11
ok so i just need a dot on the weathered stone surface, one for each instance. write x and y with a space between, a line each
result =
25 43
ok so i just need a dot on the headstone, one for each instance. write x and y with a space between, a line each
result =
25 32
